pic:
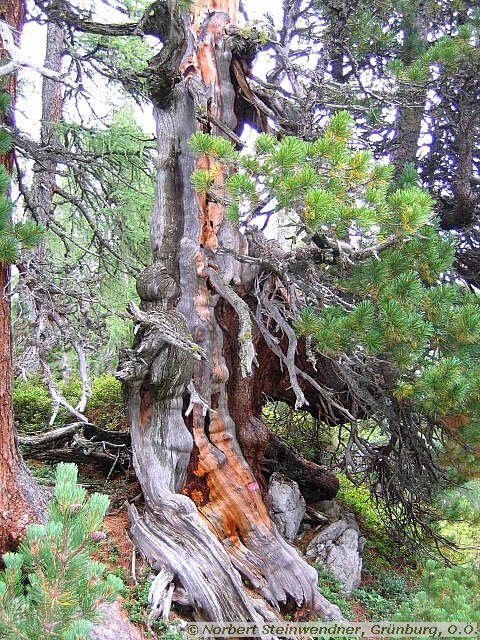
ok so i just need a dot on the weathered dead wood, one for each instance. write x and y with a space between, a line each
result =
79 442
315 482
247 350
170 533
160 595
88 429
180 541
165 323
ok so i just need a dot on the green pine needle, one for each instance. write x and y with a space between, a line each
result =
201 143
9 249
29 234
4 181
55 558
265 143
201 181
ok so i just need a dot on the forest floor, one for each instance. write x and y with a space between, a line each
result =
389 575
382 586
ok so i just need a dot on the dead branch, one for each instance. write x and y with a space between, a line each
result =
80 442
247 350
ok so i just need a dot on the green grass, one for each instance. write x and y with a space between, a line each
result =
136 603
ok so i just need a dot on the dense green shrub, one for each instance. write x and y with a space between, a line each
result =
380 608
51 587
106 407
32 403
447 594
394 587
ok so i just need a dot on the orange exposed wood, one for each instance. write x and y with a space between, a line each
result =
202 62
146 403
206 7
232 503
213 471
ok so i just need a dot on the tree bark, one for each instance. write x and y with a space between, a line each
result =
221 530
21 502
410 112
44 172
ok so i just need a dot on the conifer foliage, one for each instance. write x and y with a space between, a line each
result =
395 267
13 237
380 301
51 587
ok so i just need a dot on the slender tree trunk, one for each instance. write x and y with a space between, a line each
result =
21 502
461 213
221 530
44 172
20 499
410 113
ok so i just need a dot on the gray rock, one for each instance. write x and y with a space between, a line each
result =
115 625
338 548
329 534
361 544
330 508
288 505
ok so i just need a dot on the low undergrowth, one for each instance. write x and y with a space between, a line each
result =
136 604
446 594
116 549
401 587
380 596
383 539
395 585
435 594
32 404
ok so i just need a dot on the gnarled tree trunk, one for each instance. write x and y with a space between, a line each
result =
205 518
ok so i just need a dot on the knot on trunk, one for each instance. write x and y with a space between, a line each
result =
155 284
